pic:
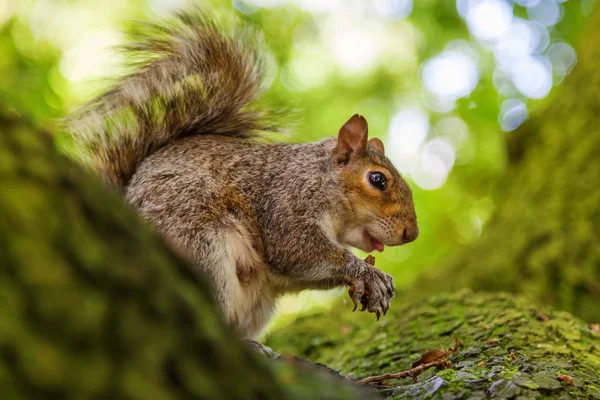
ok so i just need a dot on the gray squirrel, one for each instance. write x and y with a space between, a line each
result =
181 138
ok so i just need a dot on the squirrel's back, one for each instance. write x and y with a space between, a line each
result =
193 76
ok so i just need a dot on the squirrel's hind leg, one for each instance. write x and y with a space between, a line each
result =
240 279
213 224
246 299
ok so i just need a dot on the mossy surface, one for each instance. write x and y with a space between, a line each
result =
357 345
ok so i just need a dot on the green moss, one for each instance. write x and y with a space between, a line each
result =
359 346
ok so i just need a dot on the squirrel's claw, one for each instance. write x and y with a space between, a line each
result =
386 306
356 292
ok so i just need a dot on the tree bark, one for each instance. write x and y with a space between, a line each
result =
543 240
93 305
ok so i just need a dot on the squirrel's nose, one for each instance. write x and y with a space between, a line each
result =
410 234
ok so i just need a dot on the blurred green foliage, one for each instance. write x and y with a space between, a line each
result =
30 80
54 55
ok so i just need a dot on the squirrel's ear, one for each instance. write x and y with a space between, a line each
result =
352 138
377 145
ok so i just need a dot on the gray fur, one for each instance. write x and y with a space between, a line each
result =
258 219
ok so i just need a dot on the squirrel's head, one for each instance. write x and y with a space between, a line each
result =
379 210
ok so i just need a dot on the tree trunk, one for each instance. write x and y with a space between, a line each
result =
543 344
93 305
543 240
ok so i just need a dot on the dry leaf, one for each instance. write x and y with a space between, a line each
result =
566 378
346 329
433 358
513 356
437 354
543 317
492 341
430 357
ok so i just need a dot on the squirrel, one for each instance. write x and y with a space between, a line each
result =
182 137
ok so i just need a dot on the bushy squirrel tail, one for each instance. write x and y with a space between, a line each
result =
192 76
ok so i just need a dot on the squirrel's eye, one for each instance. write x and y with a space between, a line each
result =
378 180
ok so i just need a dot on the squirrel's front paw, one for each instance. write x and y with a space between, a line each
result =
372 288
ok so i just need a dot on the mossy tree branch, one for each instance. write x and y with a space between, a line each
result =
355 344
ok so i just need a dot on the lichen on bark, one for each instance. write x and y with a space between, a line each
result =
358 346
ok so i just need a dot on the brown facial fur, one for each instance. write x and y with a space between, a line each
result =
387 215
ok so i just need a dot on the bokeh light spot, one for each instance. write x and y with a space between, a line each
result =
512 114
317 6
489 19
394 9
430 171
521 40
546 12
355 48
451 74
406 135
563 58
443 150
527 3
532 77
454 129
